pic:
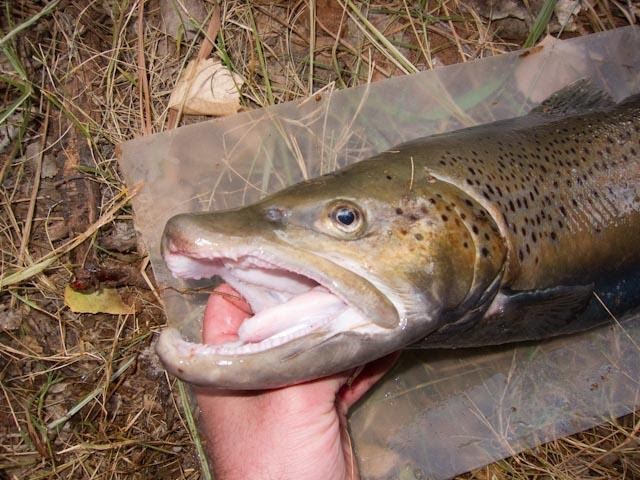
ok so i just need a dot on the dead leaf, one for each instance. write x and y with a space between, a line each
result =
106 300
207 88
566 11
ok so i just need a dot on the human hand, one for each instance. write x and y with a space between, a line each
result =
296 432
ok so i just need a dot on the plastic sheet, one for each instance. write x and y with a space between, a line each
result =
438 413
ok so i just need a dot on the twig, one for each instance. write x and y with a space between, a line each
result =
26 233
312 41
143 82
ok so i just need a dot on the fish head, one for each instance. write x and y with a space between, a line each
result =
339 270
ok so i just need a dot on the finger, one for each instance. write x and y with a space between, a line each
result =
350 393
225 312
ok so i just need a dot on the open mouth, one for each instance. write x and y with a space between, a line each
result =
287 303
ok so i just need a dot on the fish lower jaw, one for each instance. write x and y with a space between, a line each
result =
321 330
287 305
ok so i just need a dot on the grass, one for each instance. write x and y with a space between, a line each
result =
82 396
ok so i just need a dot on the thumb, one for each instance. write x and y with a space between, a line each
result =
225 312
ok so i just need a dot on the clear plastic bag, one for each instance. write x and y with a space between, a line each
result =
438 413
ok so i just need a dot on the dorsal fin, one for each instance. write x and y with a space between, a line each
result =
579 97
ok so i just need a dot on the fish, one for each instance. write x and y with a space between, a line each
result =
517 230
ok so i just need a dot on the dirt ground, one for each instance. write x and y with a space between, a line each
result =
82 394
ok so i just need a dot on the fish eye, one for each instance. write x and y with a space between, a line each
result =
347 218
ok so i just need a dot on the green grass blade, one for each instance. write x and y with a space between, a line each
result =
540 25
24 25
193 431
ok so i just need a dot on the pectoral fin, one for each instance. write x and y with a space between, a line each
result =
519 316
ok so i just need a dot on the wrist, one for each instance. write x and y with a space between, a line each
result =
275 435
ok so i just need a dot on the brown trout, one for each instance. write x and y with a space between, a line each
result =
517 230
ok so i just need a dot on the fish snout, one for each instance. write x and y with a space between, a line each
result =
193 232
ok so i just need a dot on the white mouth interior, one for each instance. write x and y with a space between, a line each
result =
286 304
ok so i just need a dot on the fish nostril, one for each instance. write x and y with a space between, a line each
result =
274 214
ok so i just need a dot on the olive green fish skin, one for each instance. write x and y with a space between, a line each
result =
564 193
486 235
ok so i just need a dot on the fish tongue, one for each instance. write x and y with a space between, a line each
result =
315 306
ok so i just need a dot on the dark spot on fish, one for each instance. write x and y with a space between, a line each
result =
389 177
475 229
432 201
553 235
520 255
485 252
403 231
419 236
534 237
486 236
445 218
465 245
468 202
463 216
563 210
423 209
399 211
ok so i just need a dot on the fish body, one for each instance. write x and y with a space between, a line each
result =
516 230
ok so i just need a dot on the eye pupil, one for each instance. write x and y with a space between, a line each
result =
346 216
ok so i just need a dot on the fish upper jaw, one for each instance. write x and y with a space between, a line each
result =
300 312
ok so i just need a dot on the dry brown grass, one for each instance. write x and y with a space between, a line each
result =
82 396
